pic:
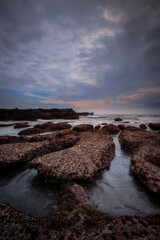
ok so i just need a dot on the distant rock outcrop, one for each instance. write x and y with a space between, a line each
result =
85 113
34 114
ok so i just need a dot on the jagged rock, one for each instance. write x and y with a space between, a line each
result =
85 113
46 127
83 127
34 114
131 140
145 163
143 126
93 152
121 126
18 153
154 126
118 119
111 129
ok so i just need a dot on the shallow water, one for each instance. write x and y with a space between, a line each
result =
116 191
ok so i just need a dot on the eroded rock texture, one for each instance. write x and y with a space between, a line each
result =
131 140
93 152
76 220
145 163
16 153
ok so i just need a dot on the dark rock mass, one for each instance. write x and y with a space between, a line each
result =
46 127
121 126
21 125
85 113
143 126
118 119
111 129
83 127
154 126
98 127
34 114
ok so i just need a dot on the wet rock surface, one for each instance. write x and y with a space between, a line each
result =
154 126
16 153
34 114
21 125
83 127
118 119
6 125
145 163
111 129
75 219
131 140
13 139
121 126
46 127
143 126
93 152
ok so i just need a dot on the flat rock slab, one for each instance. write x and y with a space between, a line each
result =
131 140
145 163
93 152
46 127
16 153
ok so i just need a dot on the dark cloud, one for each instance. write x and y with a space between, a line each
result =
74 50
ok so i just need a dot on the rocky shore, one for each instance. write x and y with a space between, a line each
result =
76 220
93 152
25 149
34 114
77 155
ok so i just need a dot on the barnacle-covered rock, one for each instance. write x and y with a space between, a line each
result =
46 127
75 219
93 152
111 129
16 153
131 140
83 127
145 163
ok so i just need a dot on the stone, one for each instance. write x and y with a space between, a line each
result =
83 127
46 127
111 129
145 163
34 114
121 126
19 153
154 126
93 152
131 140
21 125
118 119
143 126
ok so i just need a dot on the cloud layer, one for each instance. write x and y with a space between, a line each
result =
89 55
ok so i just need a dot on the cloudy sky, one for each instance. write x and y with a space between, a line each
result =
89 55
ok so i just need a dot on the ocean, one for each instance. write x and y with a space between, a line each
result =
116 191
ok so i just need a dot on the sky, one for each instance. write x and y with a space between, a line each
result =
101 56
